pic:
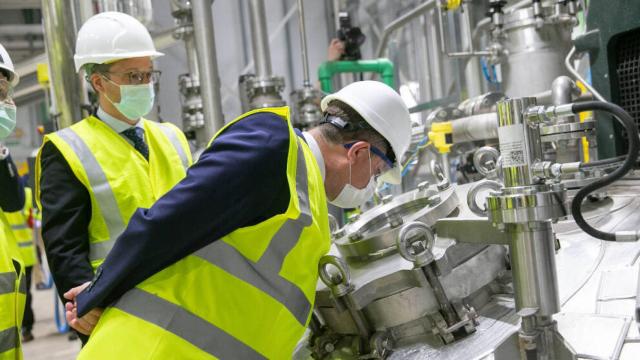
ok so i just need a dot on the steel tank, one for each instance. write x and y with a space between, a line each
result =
536 48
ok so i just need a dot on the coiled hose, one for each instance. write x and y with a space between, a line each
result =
629 162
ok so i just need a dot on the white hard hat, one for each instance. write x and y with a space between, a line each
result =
7 64
112 36
382 108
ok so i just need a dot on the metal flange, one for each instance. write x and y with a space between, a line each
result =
373 233
526 204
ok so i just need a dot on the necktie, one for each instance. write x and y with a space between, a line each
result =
135 134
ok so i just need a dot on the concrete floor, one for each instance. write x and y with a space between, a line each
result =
48 343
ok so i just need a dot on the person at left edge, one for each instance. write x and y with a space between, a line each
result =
91 177
12 278
23 233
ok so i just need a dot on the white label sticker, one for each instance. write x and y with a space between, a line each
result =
512 147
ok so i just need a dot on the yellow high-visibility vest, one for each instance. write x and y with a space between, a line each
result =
12 293
118 178
248 295
21 230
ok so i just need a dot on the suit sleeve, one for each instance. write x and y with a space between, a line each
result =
240 180
66 213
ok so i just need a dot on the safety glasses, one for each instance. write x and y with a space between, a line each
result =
138 77
379 153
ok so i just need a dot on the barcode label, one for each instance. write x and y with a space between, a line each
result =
512 147
517 156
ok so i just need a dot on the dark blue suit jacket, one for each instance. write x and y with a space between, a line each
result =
239 181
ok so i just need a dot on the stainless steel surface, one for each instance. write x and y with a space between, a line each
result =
481 104
139 9
303 45
475 127
60 35
208 68
473 193
373 234
444 48
486 161
191 98
595 280
436 62
577 76
472 73
263 89
400 22
260 39
535 55
533 268
519 143
563 89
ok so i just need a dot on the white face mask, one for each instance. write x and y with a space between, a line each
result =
351 197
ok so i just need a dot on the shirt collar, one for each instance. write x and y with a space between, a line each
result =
315 150
115 124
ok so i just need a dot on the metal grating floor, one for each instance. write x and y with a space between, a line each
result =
628 72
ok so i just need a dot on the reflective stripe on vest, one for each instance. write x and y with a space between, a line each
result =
25 244
173 138
263 275
102 192
7 282
8 339
184 324
19 227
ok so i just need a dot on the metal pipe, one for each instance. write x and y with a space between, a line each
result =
260 39
463 54
402 21
436 58
562 90
303 45
487 21
574 72
475 128
534 269
60 35
208 67
472 70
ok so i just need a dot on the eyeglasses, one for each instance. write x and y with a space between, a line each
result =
6 90
379 153
139 77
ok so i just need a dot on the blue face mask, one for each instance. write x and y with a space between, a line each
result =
135 100
7 119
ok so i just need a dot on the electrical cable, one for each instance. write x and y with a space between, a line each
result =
424 143
629 162
598 163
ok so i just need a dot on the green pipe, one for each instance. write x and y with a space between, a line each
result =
328 69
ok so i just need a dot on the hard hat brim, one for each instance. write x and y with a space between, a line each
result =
81 61
14 79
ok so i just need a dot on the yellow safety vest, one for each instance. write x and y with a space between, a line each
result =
12 293
248 295
21 230
118 178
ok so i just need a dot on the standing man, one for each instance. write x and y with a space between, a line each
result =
23 233
12 292
251 217
92 176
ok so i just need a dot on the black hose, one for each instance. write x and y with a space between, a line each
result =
627 165
603 162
